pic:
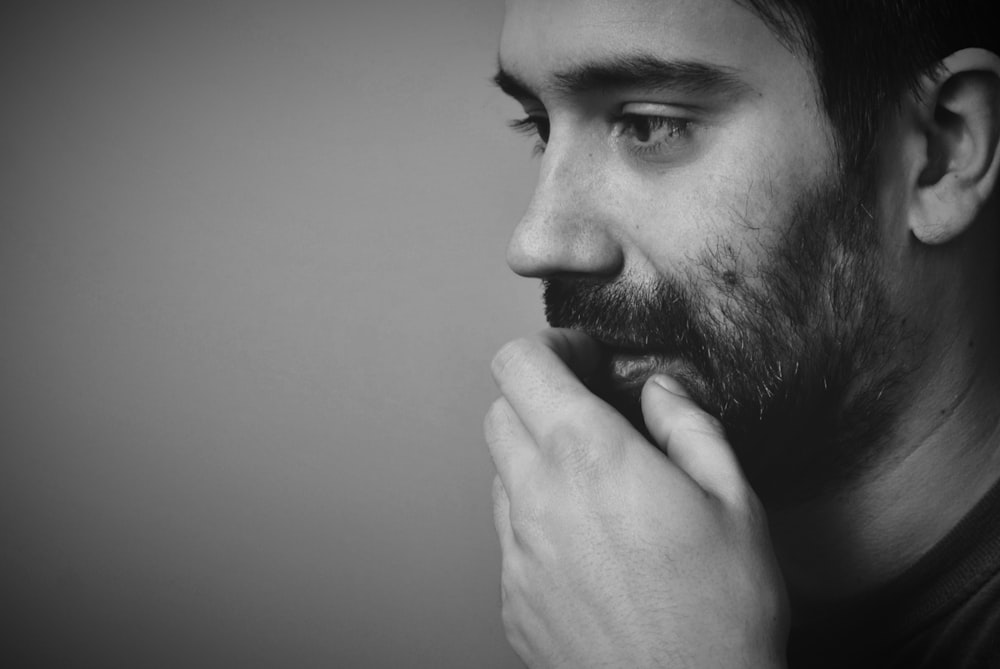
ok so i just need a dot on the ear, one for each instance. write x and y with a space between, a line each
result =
958 130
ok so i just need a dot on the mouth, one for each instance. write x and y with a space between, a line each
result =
623 375
624 371
627 366
628 370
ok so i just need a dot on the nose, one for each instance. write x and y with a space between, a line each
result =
567 227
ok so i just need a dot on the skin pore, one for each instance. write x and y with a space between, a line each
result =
671 218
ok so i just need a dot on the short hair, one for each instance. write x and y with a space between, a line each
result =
867 53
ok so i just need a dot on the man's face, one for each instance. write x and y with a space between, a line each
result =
690 215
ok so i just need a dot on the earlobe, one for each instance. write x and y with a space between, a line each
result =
960 128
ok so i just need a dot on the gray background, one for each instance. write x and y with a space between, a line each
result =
251 277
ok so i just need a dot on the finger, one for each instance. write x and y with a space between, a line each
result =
512 449
501 514
540 377
691 438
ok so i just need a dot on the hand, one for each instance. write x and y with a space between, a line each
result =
617 553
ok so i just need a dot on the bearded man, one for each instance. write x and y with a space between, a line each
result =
763 430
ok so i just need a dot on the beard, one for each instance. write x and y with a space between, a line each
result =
796 356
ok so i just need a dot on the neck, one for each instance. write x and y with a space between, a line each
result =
942 457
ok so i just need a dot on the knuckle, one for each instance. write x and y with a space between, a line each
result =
567 440
510 358
511 624
573 447
526 520
501 523
498 489
509 596
508 579
499 494
513 613
558 340
495 420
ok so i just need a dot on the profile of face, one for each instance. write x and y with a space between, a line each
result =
691 214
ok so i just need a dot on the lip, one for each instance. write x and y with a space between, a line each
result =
632 367
629 364
629 370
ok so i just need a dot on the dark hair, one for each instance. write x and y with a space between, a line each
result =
867 53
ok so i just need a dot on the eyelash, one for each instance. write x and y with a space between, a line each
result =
627 125
533 126
676 129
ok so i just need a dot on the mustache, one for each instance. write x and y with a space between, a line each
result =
657 317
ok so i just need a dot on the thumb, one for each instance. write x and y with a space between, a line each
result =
692 439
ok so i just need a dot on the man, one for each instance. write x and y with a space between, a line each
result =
764 429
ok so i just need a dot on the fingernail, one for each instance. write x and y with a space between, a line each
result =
669 384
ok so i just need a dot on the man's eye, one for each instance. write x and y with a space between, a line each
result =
650 133
534 126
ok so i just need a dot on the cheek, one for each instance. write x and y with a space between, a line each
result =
734 202
714 222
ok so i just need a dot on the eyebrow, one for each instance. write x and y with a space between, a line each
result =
640 71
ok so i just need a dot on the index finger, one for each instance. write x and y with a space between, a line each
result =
540 375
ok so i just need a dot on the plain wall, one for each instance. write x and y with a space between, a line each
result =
251 278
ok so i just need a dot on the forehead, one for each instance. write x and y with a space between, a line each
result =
541 37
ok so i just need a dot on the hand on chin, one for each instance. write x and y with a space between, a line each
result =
616 551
